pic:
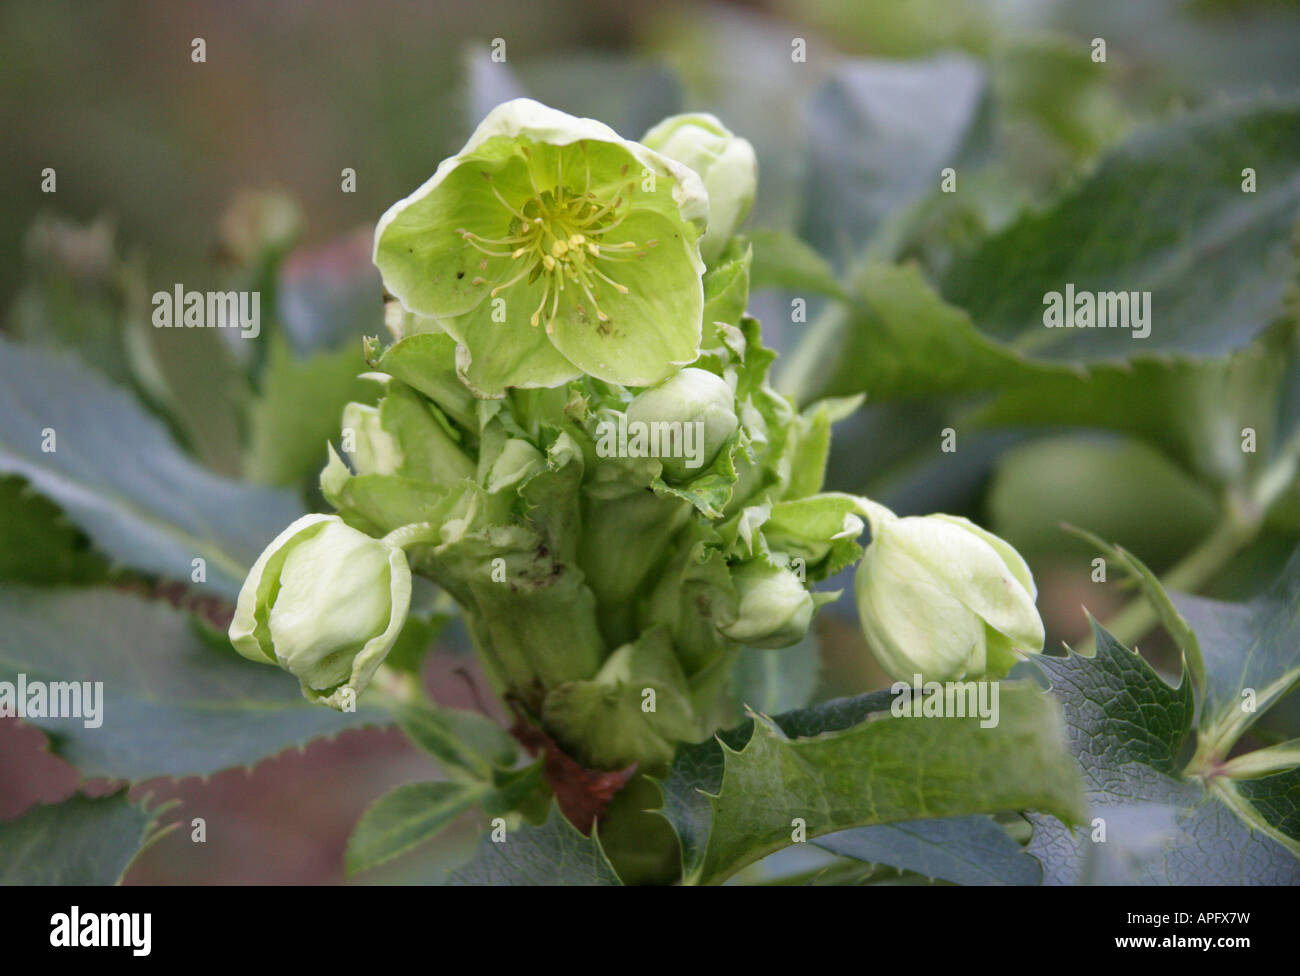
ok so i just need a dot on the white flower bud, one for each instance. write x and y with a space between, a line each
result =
726 163
326 603
940 597
774 609
689 397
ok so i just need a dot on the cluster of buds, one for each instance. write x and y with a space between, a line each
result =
604 481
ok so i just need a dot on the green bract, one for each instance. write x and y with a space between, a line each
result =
940 597
326 603
549 247
726 163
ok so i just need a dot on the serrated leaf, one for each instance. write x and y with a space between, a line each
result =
1253 645
38 546
735 799
173 704
405 817
466 743
1129 730
80 841
1193 411
552 854
898 339
964 850
1165 212
117 474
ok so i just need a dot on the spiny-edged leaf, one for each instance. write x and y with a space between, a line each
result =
964 850
299 409
115 472
1253 645
81 841
173 704
466 743
783 261
38 545
896 339
734 800
1165 212
405 817
879 133
552 854
1129 729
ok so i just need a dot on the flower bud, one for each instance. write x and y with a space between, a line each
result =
401 436
326 603
373 449
940 597
774 607
690 416
726 163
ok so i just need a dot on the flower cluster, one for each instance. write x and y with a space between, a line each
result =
578 442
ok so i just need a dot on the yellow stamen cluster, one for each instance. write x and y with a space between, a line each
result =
556 235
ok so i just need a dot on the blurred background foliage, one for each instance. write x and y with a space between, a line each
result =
228 174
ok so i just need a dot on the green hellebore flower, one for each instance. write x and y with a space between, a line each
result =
775 608
725 162
549 247
940 597
690 416
326 603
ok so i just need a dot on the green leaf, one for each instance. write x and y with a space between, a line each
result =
552 854
964 850
897 339
117 474
299 409
405 817
1128 730
879 134
38 546
783 261
726 286
466 743
80 841
172 704
1164 212
837 770
1192 411
1253 645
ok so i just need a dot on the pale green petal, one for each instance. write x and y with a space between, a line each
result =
494 355
653 329
974 572
424 260
912 623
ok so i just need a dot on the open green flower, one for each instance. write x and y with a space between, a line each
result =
326 603
549 247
